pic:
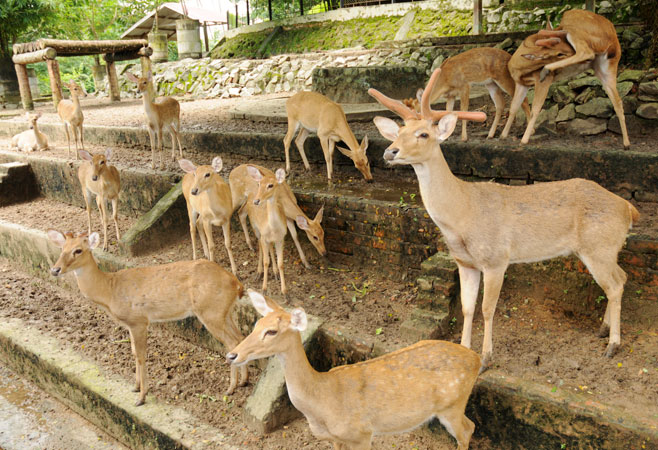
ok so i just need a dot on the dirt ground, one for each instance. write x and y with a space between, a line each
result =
533 337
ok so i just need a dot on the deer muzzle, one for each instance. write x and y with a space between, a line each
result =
391 153
56 271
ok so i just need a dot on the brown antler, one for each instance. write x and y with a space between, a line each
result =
394 105
426 111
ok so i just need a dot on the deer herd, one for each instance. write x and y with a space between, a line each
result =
486 226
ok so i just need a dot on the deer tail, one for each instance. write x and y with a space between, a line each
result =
635 214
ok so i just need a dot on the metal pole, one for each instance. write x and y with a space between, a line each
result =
269 8
477 16
228 20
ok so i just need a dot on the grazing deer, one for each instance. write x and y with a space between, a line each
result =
350 404
136 297
269 220
243 185
209 203
71 114
594 39
482 65
313 112
162 113
99 178
525 66
488 226
32 139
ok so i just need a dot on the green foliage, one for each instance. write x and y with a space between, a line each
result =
76 68
22 18
286 8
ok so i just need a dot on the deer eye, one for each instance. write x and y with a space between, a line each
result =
423 135
270 186
208 175
77 252
316 238
271 333
102 162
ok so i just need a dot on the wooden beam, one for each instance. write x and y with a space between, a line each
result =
55 81
115 94
35 57
126 56
477 16
24 87
65 47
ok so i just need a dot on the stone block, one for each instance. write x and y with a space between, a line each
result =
566 113
422 324
269 407
630 75
440 265
585 81
648 111
585 96
648 92
563 94
597 107
624 88
584 127
634 124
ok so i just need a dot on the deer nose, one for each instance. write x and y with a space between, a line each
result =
55 271
256 201
195 191
231 357
94 177
391 153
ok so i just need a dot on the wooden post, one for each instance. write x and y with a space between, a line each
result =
589 5
301 7
477 16
146 68
269 8
55 81
205 35
115 94
236 16
247 12
24 87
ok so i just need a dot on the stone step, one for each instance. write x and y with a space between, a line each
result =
16 183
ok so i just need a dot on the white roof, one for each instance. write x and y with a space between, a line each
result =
168 13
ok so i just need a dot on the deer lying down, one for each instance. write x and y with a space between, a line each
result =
136 297
488 226
32 139
350 404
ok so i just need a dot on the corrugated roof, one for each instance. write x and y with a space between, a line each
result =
168 13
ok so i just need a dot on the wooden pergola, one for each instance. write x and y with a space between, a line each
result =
49 49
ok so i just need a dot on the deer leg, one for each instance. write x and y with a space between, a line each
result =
293 125
541 90
279 261
275 269
87 195
115 207
328 151
611 278
606 71
463 104
293 232
583 53
207 227
193 218
242 215
265 251
493 281
161 148
469 280
138 336
458 425
177 135
520 93
82 137
134 352
496 95
299 142
74 130
202 235
226 228
151 131
68 138
100 202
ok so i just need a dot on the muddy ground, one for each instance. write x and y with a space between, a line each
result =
533 337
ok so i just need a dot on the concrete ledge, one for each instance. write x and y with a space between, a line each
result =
16 183
104 401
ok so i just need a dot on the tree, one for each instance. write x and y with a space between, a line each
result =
22 19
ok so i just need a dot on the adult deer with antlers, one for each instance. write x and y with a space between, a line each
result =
594 39
350 404
313 112
138 296
487 226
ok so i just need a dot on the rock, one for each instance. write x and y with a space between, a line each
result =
566 113
630 75
624 88
507 43
648 111
548 116
634 124
234 91
597 107
584 127
563 94
582 82
630 103
585 96
648 91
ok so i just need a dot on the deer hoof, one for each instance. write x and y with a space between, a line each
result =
136 389
604 331
486 363
611 349
139 402
230 390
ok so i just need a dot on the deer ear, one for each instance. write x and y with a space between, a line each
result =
345 151
259 303
387 127
298 320
318 216
364 143
108 153
419 95
302 223
280 175
446 126
131 77
187 165
56 237
254 173
217 164
84 154
94 240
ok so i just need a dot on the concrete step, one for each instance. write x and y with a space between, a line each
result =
17 183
